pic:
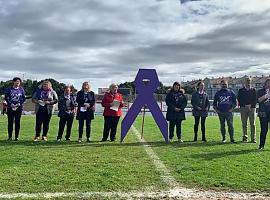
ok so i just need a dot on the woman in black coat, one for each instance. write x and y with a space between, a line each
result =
66 107
201 105
263 96
86 106
176 102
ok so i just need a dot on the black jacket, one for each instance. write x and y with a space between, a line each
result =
264 106
176 100
247 97
62 107
90 98
200 101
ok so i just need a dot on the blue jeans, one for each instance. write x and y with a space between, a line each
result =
228 116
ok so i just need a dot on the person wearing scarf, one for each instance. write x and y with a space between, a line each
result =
15 97
85 112
201 105
176 102
66 106
44 99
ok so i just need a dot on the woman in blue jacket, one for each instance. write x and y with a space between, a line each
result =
176 102
66 107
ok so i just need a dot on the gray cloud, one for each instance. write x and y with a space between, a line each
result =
108 41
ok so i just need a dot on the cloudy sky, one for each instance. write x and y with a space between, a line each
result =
104 41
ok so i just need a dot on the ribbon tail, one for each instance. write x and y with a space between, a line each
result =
159 118
130 117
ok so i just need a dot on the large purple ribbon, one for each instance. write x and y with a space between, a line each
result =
146 83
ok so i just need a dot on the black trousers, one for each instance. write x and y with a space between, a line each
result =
11 116
88 127
110 126
65 120
264 128
42 120
196 127
172 124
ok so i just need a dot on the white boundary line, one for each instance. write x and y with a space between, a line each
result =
175 193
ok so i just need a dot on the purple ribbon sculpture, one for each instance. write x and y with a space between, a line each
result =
146 83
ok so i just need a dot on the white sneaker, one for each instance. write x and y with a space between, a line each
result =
80 140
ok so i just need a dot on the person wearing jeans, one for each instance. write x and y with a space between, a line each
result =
66 106
201 105
85 112
176 102
264 111
112 103
224 103
247 99
45 99
15 97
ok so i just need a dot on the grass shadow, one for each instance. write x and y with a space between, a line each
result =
216 155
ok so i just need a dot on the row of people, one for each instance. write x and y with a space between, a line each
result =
225 101
45 99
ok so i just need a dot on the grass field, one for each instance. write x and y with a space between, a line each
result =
72 167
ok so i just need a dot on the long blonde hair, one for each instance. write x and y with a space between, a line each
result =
46 82
89 86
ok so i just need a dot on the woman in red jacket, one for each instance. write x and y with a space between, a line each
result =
112 103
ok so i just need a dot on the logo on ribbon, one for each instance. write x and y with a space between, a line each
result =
146 83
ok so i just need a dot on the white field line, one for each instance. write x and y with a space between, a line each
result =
161 168
175 193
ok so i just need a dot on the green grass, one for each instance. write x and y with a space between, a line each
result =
213 165
71 167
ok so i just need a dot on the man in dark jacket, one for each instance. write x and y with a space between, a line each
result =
224 103
247 99
176 102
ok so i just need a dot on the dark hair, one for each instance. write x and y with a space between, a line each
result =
16 79
199 83
264 85
176 83
223 81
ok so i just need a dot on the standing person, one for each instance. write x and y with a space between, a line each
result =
264 111
15 97
44 98
112 103
247 99
224 103
176 102
201 105
4 105
66 106
85 112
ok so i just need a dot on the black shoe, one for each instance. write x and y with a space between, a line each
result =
67 139
261 148
9 139
103 140
16 139
204 140
233 142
